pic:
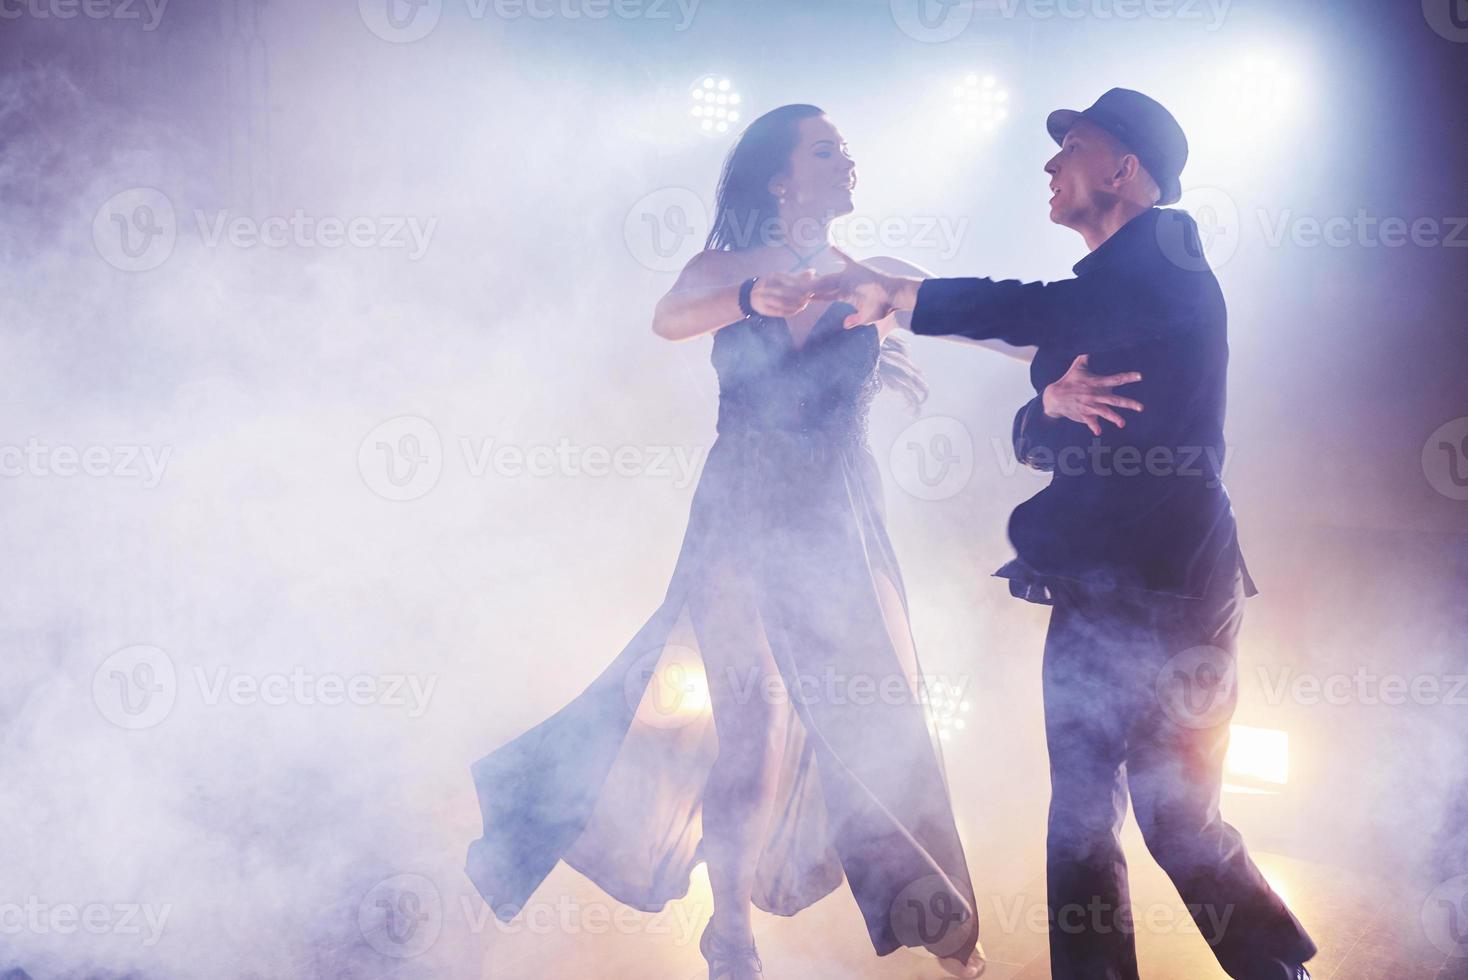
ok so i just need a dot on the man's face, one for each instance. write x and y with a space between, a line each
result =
1081 174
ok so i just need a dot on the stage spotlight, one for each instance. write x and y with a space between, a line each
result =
1260 86
980 104
716 105
946 708
1258 759
1243 112
676 688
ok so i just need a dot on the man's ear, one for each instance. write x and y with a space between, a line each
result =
1127 169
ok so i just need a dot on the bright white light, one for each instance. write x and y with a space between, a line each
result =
946 708
979 104
1245 112
1260 84
1249 101
712 95
677 690
1258 755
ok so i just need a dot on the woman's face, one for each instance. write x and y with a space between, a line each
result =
821 175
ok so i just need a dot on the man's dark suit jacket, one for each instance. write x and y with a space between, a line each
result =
1143 507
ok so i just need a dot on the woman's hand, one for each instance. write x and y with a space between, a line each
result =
874 295
1087 398
782 294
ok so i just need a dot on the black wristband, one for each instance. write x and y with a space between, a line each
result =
745 290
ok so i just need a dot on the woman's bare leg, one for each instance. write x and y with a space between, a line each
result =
895 614
751 726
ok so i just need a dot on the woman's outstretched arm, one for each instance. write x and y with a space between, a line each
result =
706 296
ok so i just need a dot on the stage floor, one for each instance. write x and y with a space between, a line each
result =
1364 933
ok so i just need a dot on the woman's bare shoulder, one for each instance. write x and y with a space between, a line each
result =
715 267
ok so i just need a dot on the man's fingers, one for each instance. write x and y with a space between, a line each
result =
787 280
1093 425
1116 380
790 294
1081 362
787 304
1119 402
828 287
1111 417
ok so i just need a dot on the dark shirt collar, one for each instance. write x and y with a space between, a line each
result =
1126 241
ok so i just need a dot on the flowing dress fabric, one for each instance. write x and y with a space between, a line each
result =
787 523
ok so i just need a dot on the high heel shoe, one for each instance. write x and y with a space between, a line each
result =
975 966
725 958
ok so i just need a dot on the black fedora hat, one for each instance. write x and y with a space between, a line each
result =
1143 126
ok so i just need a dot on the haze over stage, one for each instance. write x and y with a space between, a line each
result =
337 450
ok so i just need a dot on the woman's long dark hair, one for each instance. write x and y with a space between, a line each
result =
745 214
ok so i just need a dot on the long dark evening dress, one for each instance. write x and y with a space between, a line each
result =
788 511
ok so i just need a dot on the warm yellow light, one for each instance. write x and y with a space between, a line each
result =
676 692
1258 755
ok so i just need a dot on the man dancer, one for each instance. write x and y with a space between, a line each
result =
1133 541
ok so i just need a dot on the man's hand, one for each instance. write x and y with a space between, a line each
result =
875 295
1087 398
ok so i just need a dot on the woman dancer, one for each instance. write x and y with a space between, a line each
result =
795 749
